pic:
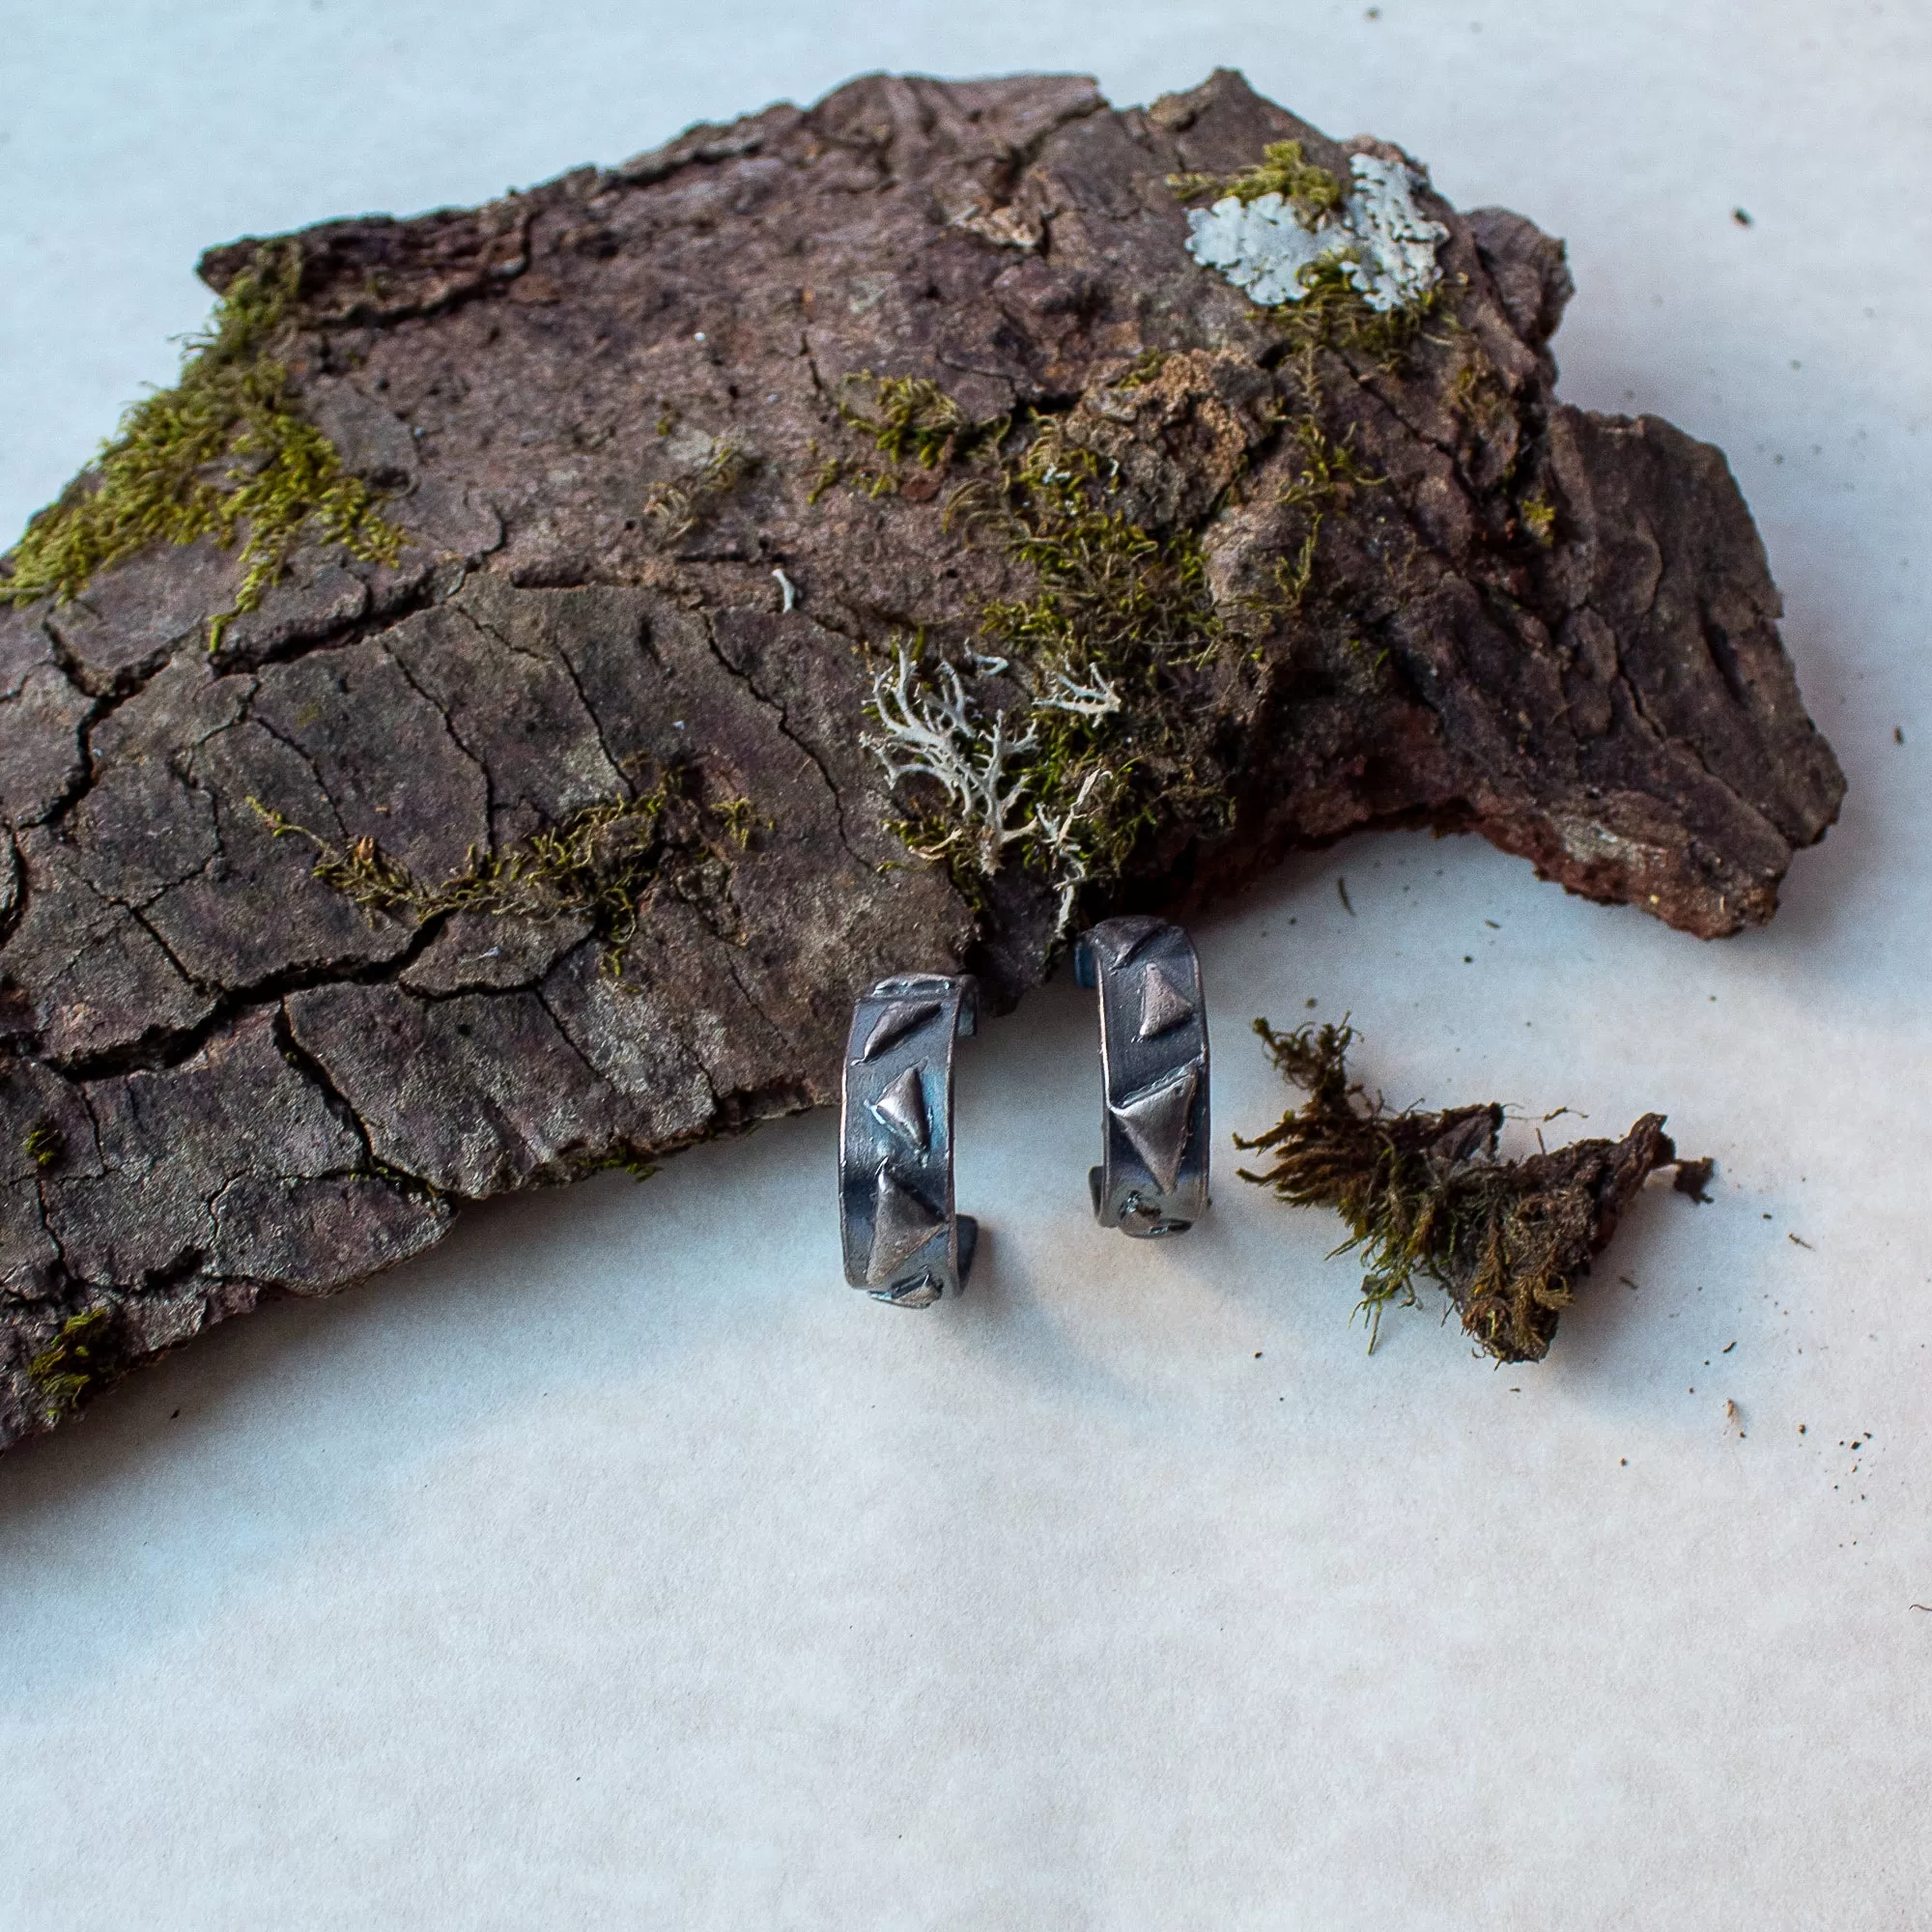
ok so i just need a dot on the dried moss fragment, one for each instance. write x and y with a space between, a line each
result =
224 451
1425 1196
43 1144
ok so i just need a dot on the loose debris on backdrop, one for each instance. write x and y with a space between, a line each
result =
1426 1197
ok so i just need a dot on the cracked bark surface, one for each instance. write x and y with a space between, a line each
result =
221 1081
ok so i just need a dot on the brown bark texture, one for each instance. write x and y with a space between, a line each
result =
224 1078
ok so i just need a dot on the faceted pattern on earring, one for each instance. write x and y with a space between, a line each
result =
1153 1065
904 1243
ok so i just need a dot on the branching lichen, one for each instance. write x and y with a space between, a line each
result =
1425 1196
992 788
224 452
605 864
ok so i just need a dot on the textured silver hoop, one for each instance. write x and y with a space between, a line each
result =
904 1242
1153 1065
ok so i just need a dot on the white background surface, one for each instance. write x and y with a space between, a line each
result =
618 1566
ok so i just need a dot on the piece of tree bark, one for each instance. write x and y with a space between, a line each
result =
643 536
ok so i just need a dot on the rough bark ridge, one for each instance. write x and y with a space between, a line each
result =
609 412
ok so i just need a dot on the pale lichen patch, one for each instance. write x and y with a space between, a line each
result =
1378 239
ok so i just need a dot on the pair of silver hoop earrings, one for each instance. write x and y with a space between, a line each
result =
905 1241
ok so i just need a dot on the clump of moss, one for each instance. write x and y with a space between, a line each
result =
1311 192
677 509
1107 648
909 420
1332 314
1142 369
1110 589
913 419
43 1144
87 1353
1477 391
1538 516
627 1160
223 453
1328 474
604 863
1426 1197
1326 471
1121 612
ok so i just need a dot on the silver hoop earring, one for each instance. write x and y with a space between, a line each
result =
1154 1066
904 1243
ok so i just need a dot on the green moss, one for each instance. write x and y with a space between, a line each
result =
1311 192
739 820
223 455
1118 606
1108 647
1112 593
826 476
1142 369
1333 314
83 1358
1538 516
1328 472
1477 390
913 419
43 1144
1426 1199
1328 475
1068 780
677 509
624 1160
604 863
910 421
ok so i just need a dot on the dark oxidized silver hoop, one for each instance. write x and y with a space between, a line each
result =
1153 1062
904 1242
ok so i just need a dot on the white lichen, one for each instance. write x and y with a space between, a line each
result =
1092 696
934 730
1059 839
1380 239
931 728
